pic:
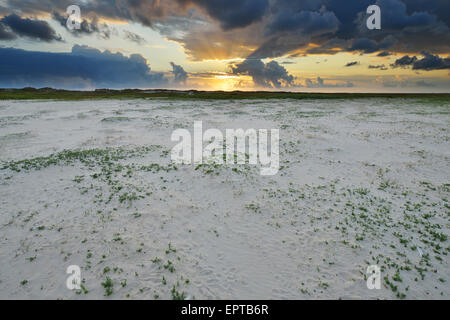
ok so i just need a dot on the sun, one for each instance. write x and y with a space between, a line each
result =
225 82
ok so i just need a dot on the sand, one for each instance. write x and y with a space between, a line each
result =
90 183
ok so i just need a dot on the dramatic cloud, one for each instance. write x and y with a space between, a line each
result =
84 67
412 28
141 11
431 62
254 30
289 31
180 76
269 75
351 64
428 63
383 54
406 27
404 61
233 13
395 16
5 33
86 27
226 29
368 46
308 22
24 27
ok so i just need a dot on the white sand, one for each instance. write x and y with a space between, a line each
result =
363 182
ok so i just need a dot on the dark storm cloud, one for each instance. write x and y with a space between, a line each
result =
84 67
346 13
180 76
269 75
5 33
233 13
394 16
406 25
25 27
412 28
289 31
431 62
404 61
368 46
304 21
383 54
439 8
219 29
428 62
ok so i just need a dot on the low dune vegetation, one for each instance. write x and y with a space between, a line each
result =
91 183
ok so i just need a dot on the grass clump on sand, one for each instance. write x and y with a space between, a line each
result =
109 286
89 157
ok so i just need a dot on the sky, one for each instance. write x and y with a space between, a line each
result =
283 45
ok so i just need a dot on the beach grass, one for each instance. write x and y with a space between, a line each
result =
54 94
